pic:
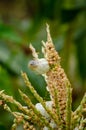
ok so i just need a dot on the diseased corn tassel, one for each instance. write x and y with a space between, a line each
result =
56 79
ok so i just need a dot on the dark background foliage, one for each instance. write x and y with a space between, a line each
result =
23 22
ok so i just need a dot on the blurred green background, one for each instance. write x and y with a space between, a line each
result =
23 22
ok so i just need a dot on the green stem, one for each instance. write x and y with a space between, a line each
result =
40 99
68 107
42 120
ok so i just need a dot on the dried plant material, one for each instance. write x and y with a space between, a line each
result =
34 53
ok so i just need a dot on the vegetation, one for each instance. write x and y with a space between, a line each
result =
60 116
23 22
